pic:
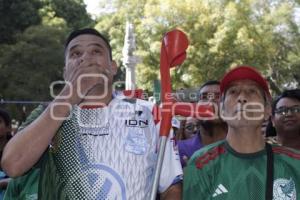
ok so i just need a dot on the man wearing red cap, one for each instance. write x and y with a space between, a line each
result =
243 166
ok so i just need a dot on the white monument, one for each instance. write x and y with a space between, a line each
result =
129 59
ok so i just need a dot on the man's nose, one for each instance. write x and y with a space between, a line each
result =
242 98
288 112
85 56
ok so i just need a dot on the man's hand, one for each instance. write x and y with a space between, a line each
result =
82 77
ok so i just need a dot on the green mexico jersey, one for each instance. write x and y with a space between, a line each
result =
24 187
218 172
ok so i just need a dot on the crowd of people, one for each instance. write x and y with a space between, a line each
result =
91 144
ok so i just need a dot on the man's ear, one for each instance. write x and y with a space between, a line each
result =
268 112
114 67
221 108
64 72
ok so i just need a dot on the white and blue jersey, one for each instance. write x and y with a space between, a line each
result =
107 153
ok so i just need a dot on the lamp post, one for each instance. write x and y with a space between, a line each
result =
129 59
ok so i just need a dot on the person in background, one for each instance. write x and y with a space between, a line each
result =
211 130
286 118
192 141
180 132
175 125
203 131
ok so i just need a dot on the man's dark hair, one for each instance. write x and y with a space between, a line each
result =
5 116
292 94
90 31
211 82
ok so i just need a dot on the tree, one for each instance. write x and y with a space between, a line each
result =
222 34
72 11
16 16
31 54
29 67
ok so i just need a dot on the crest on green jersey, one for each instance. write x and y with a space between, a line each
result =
284 189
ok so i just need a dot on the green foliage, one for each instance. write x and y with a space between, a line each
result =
222 34
31 47
72 11
16 16
114 28
29 66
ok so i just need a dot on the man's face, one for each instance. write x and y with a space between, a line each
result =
287 116
244 104
191 127
211 94
89 50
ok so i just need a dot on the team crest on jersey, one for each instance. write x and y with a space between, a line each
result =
284 189
136 142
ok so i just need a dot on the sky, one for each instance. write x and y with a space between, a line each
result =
94 9
92 6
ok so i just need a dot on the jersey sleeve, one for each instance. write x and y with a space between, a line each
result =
171 169
11 191
196 182
33 116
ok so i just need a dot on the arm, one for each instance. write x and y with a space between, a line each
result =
174 192
170 185
26 147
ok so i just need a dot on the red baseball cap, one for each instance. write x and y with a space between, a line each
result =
242 73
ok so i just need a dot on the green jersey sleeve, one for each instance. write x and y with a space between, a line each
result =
33 116
197 179
195 185
24 187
